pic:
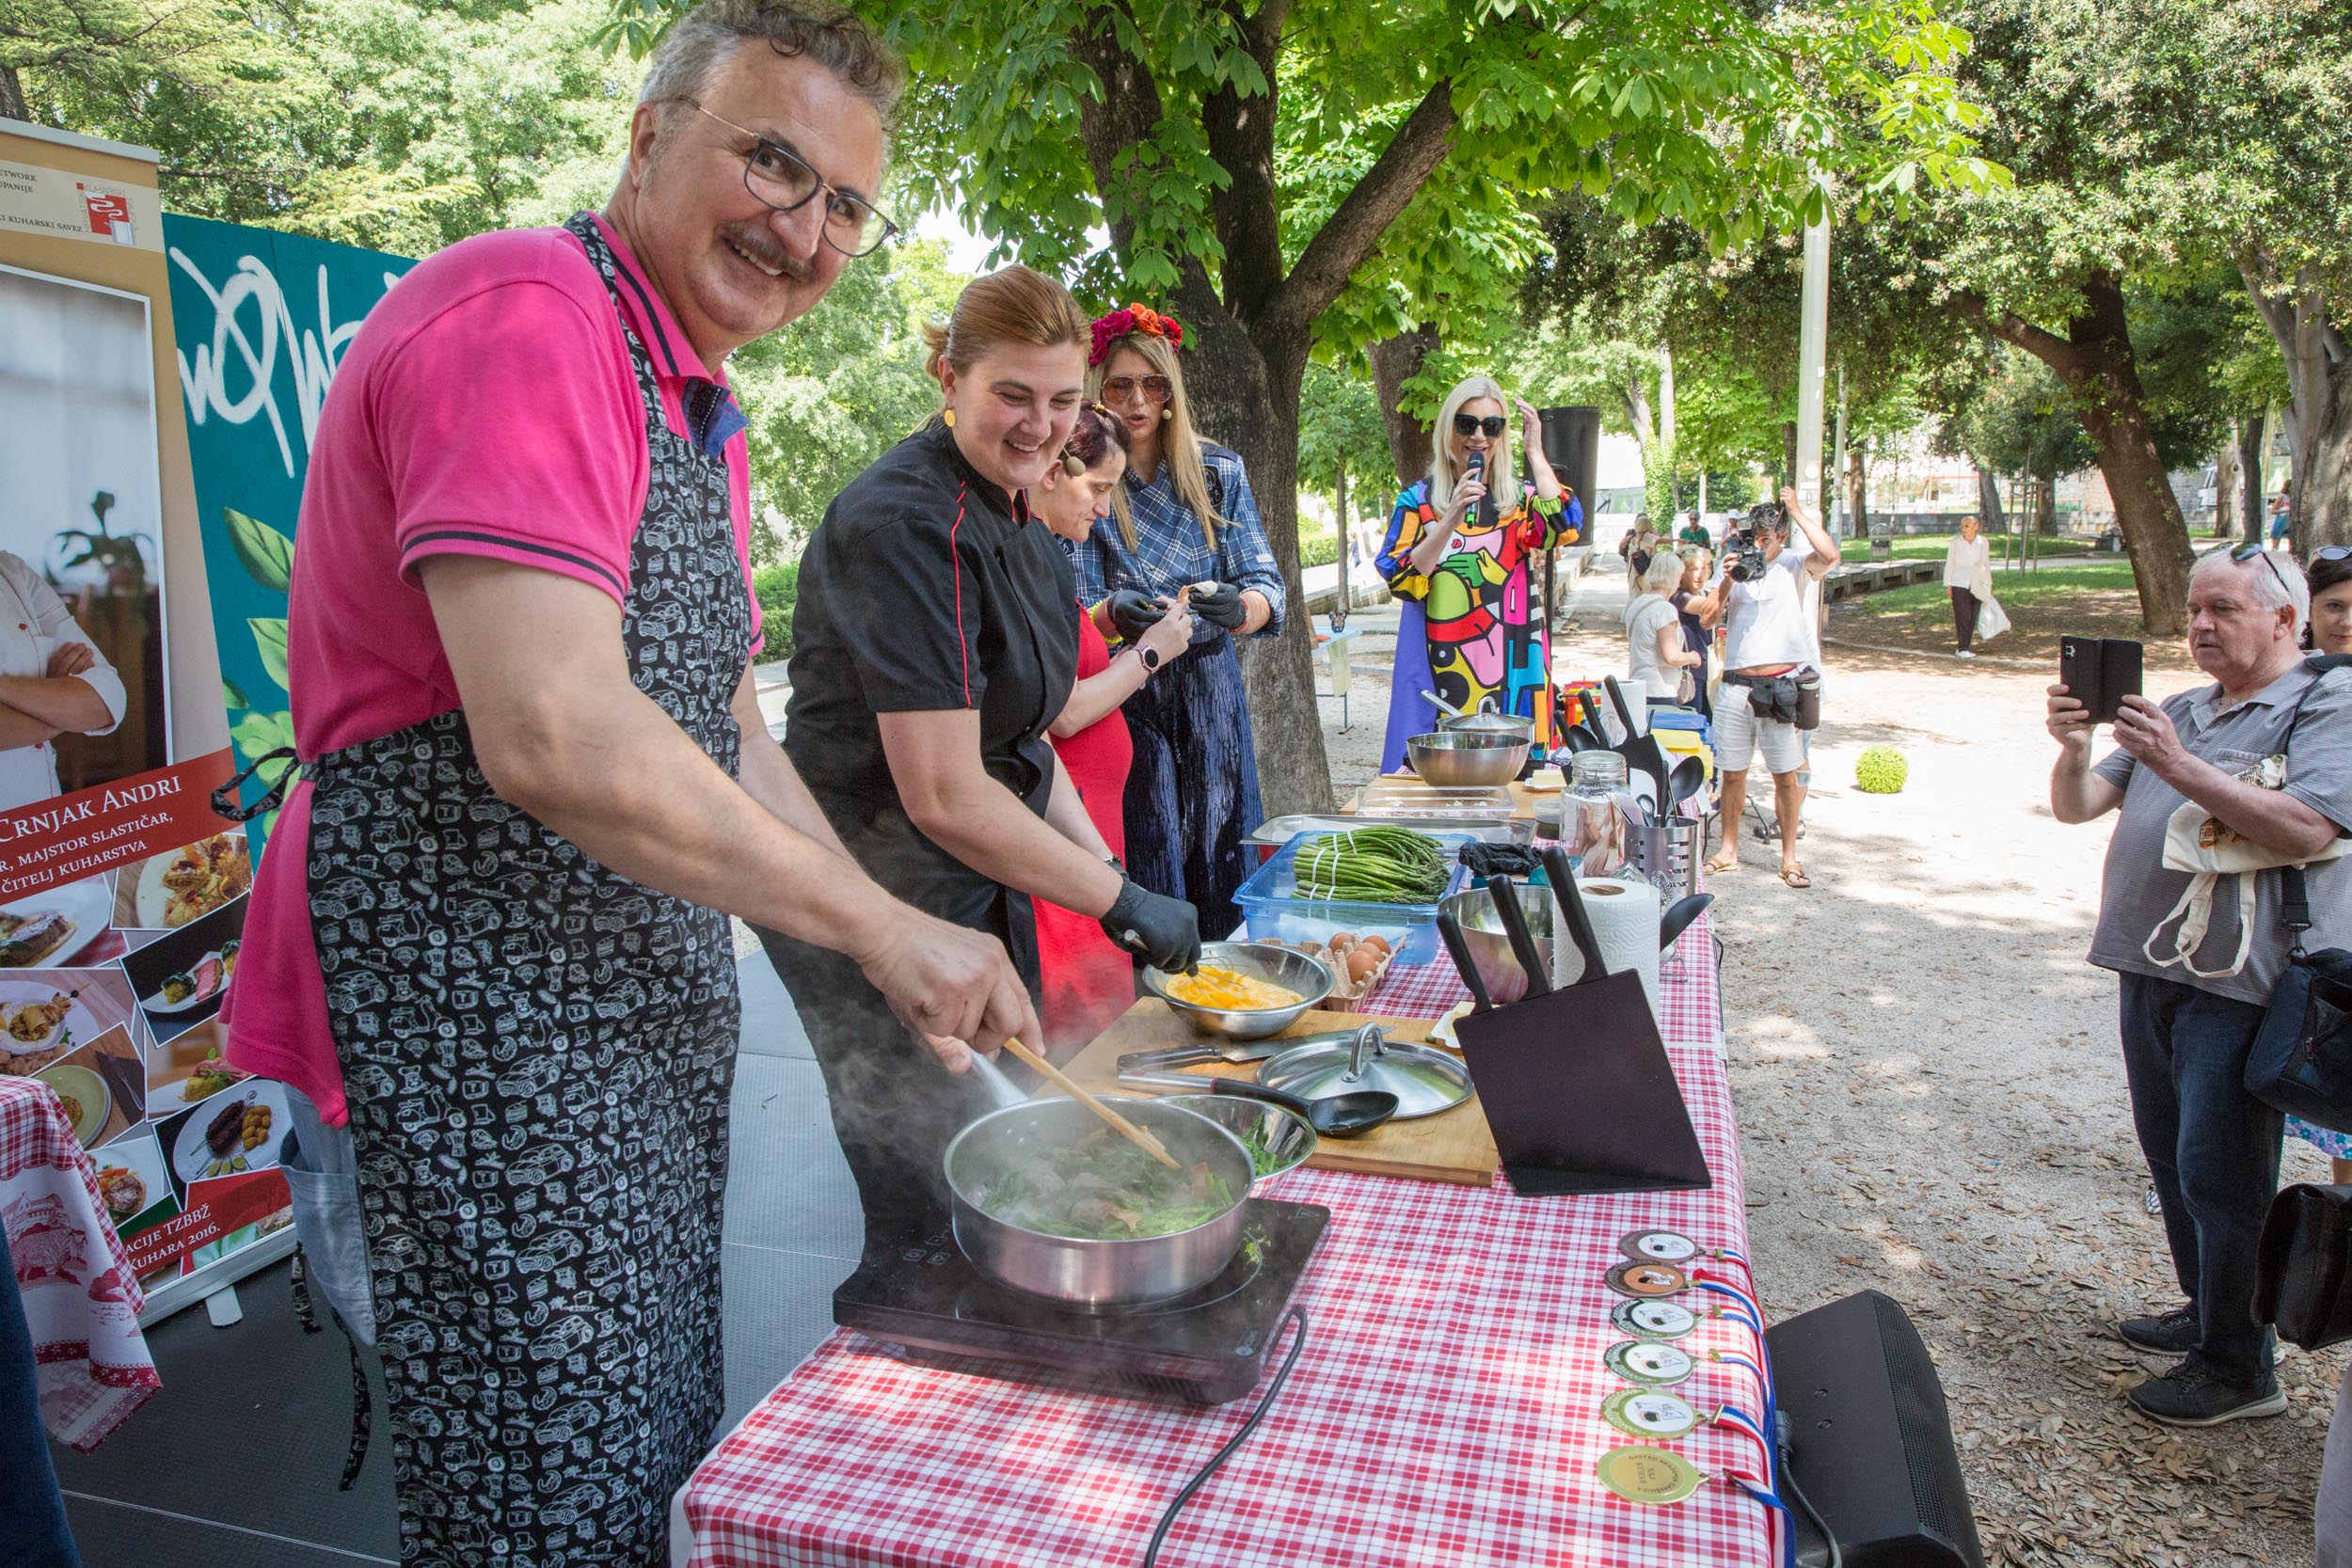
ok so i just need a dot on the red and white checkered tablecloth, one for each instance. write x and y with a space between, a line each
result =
1446 1410
81 1298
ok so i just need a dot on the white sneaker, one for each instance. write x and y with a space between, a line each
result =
1965 654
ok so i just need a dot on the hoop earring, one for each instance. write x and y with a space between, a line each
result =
1167 414
1071 465
947 418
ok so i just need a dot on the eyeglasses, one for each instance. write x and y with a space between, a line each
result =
1122 389
783 181
1493 424
2244 553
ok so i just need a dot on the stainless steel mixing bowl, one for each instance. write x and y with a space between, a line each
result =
1466 757
1292 971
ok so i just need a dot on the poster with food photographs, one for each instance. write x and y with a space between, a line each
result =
122 891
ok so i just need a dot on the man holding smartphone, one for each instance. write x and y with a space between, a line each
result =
2212 1148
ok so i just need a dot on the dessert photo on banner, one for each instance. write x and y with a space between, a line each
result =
182 975
81 689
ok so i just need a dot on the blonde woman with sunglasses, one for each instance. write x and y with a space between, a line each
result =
1183 523
1457 556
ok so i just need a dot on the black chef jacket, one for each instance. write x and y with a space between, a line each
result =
925 588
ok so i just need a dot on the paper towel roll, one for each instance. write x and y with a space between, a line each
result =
1624 912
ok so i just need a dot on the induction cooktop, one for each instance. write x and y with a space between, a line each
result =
924 1301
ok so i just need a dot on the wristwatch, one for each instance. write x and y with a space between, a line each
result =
1151 657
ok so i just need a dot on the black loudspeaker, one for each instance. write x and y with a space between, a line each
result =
1871 1448
1572 447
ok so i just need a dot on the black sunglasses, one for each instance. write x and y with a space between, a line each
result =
1468 425
2244 553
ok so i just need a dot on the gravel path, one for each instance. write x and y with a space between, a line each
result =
1931 1103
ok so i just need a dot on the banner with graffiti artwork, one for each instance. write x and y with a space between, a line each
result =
121 891
262 320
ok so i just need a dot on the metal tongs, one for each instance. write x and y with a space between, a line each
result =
1235 1052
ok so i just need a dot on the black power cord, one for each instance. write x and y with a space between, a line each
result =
1298 1315
1785 1434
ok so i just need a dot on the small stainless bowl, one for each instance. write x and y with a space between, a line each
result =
1284 1134
1473 910
1466 757
1292 971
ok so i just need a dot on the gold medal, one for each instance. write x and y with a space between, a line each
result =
1653 1476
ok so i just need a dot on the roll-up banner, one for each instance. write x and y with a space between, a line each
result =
122 894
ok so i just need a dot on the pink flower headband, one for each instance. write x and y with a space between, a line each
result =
1133 318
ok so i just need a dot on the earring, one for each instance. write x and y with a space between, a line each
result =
947 418
1167 414
1071 465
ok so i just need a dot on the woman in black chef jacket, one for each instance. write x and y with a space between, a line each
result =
933 646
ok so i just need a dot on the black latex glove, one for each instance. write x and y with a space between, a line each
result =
1135 611
1167 931
1220 606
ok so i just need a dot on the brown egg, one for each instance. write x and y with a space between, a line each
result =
1361 962
1342 941
1378 944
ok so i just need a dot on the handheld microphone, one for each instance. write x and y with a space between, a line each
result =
1476 468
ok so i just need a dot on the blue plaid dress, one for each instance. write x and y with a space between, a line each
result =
1192 793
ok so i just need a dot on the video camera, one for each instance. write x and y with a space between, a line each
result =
1743 553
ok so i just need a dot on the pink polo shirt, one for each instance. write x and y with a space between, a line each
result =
486 407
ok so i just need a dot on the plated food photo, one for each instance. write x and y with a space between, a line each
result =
52 926
189 1069
187 988
173 889
238 1130
36 1019
87 1102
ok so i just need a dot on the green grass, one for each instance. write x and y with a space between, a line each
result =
2014 588
1930 546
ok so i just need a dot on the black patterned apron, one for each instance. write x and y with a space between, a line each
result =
537 1054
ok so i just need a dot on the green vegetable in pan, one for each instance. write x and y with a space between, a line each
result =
1100 1187
1374 865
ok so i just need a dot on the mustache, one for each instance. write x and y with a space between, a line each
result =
756 242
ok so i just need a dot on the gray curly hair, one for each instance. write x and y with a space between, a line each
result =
702 41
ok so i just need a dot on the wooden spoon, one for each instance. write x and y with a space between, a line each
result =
1063 1082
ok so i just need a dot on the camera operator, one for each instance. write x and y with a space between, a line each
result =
1770 689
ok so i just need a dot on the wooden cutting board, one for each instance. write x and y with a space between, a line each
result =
1452 1145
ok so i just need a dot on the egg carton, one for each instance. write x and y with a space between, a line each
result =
1352 981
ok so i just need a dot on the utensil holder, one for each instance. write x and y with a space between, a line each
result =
1667 854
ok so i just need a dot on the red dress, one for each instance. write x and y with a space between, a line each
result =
1088 982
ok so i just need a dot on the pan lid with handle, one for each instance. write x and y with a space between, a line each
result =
1424 1080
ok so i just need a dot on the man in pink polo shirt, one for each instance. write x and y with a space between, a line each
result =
488 933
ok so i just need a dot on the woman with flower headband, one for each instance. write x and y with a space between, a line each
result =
935 641
1183 525
1089 981
1457 556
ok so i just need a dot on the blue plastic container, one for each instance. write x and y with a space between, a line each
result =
1273 911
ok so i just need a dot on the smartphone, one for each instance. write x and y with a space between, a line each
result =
2099 673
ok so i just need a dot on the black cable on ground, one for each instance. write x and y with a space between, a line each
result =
1298 1315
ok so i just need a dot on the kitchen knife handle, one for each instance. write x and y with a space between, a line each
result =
1457 947
1563 877
1513 920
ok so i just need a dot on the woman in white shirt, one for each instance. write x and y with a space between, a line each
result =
1968 575
1656 654
53 680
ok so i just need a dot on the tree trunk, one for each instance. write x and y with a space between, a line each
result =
2253 434
1395 361
1989 502
1346 528
2225 524
12 95
1858 491
2094 360
2319 420
1254 407
1788 452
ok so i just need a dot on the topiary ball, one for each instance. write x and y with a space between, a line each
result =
1881 770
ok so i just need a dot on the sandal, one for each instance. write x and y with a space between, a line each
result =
1720 866
1794 876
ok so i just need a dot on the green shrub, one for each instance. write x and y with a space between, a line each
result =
1317 549
777 588
1881 770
